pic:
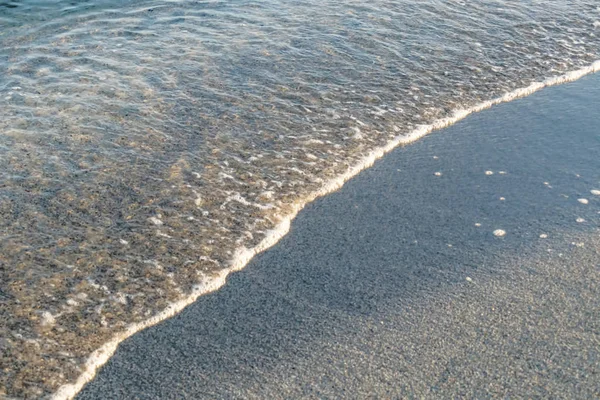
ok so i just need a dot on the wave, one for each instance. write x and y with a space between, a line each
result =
243 256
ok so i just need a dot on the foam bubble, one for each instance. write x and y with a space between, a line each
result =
543 236
48 319
583 201
499 232
580 220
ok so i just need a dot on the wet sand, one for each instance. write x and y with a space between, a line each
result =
402 284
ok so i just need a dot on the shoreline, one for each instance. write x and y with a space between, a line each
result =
396 286
244 256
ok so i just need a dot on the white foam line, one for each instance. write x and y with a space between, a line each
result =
242 256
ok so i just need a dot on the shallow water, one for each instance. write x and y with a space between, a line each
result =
143 142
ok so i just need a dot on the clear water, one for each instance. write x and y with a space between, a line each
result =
143 142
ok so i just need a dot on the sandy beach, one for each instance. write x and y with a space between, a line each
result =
463 265
151 148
